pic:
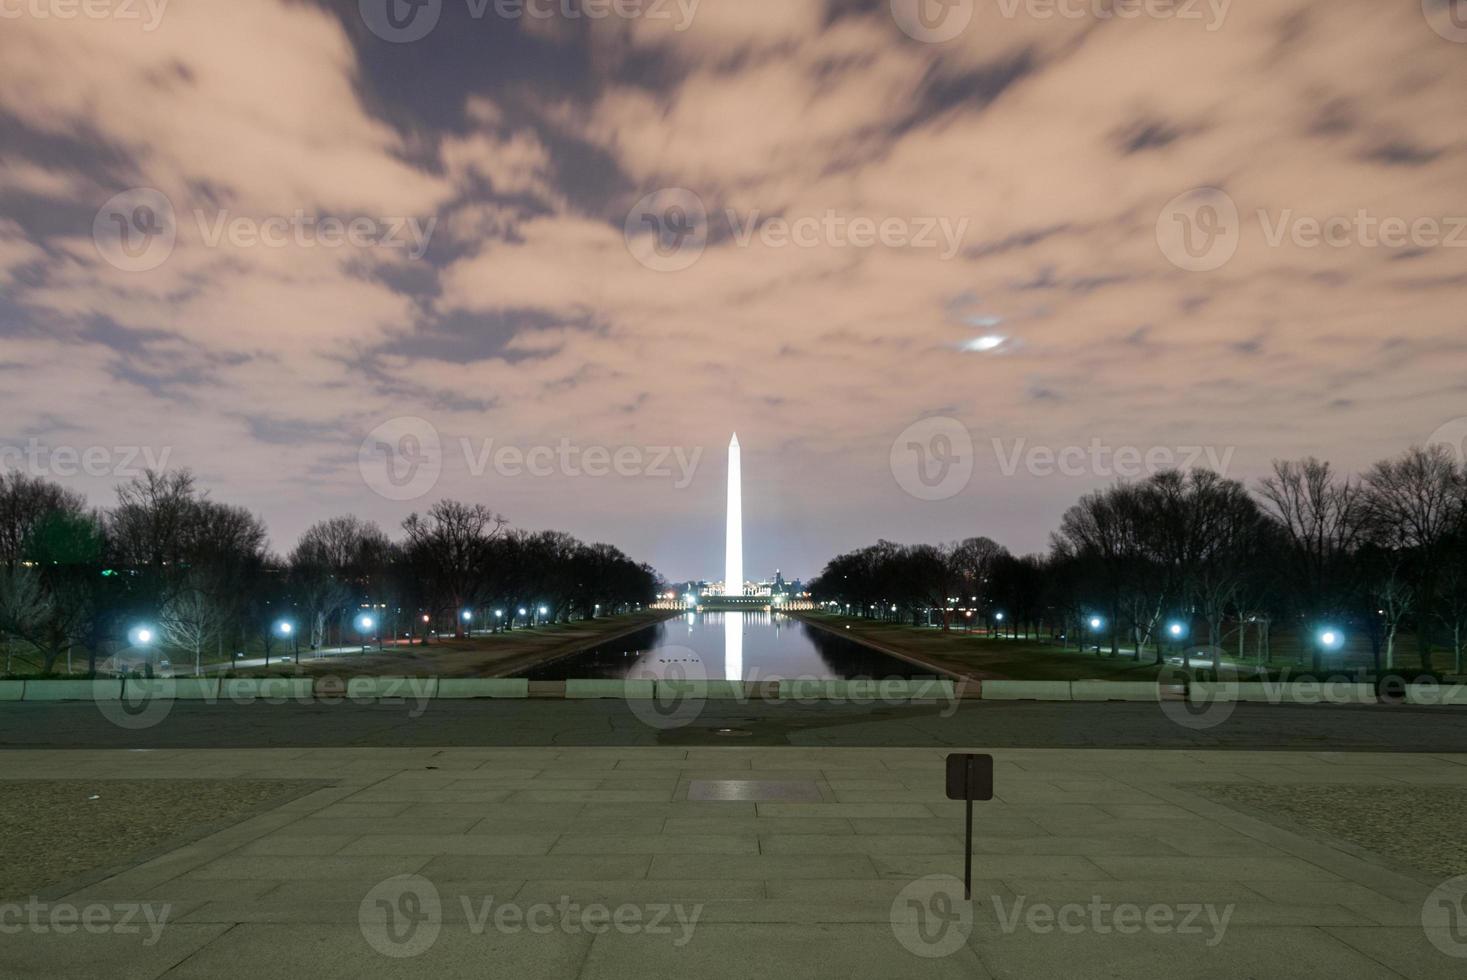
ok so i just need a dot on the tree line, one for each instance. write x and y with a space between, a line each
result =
1322 554
199 576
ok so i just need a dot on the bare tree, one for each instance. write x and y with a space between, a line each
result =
1415 502
1323 519
449 547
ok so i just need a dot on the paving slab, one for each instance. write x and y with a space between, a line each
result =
287 952
811 952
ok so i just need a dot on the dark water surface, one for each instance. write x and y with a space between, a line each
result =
751 646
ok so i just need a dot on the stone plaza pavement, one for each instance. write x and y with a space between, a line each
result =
594 863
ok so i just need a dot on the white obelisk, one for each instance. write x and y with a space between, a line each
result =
733 562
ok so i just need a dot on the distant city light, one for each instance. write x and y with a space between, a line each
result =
988 342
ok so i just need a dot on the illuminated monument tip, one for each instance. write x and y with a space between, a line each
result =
733 566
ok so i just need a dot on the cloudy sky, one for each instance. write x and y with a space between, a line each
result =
936 266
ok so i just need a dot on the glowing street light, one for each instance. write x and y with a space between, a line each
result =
1096 622
468 616
142 636
1176 630
1331 639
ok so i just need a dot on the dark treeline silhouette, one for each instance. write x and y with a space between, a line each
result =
200 577
1376 557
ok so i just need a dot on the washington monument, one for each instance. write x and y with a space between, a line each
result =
733 562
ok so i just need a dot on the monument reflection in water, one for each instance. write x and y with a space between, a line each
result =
751 646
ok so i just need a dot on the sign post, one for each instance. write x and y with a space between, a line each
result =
969 778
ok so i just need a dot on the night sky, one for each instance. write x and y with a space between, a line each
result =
508 287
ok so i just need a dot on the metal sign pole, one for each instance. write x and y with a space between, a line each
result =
969 778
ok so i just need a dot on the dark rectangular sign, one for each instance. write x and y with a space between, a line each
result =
969 777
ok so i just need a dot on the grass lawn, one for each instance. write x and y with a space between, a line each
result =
497 655
989 658
981 656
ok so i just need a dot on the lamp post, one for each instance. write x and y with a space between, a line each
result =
143 636
365 625
998 618
1331 640
1176 630
1096 625
287 631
